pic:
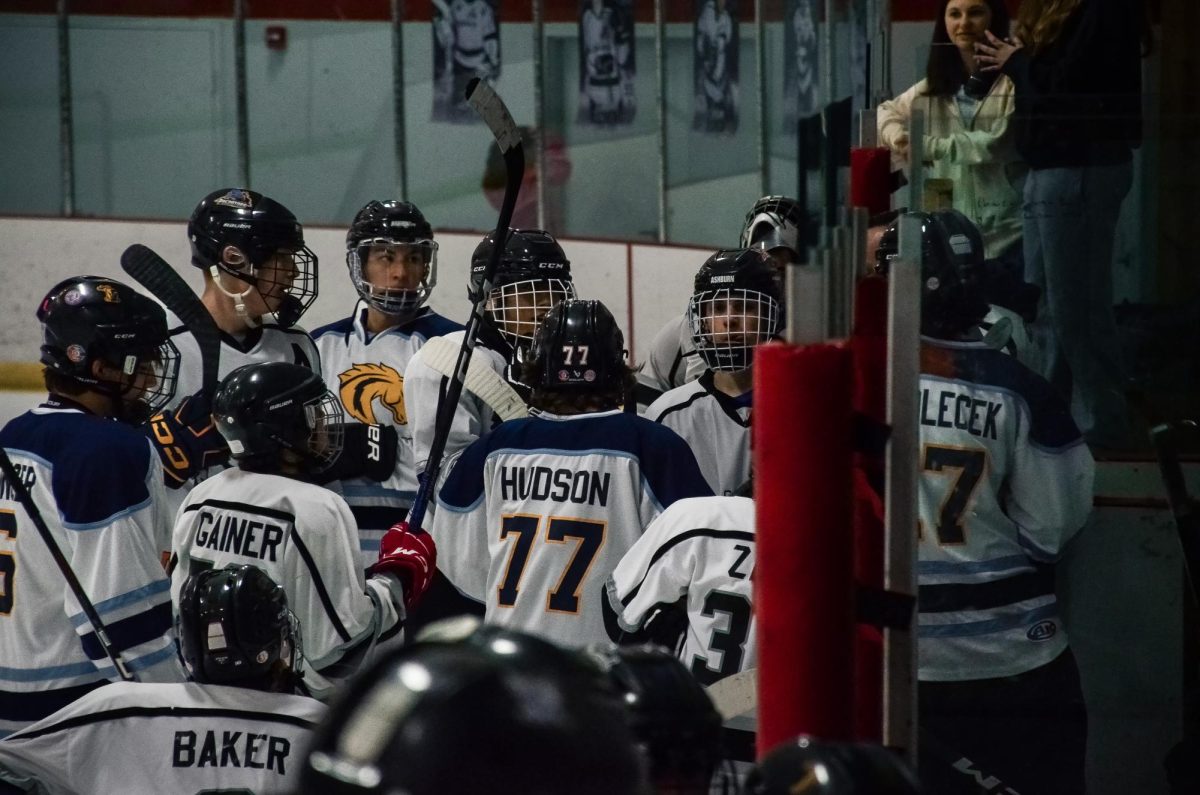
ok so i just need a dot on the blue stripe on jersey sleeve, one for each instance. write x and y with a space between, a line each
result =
1051 425
115 603
1002 624
463 488
129 632
99 467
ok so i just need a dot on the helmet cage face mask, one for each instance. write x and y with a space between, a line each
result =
750 318
286 281
326 435
392 301
516 309
147 382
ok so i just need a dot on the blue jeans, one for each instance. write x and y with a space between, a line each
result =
1070 217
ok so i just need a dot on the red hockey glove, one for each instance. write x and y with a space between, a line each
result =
410 556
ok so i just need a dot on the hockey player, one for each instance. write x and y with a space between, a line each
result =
98 485
686 583
533 275
259 278
774 224
239 726
735 307
537 513
716 50
392 258
282 427
1006 482
477 710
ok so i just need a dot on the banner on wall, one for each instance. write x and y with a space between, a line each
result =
466 44
607 63
715 66
801 76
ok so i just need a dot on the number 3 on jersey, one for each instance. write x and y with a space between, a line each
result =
8 563
523 528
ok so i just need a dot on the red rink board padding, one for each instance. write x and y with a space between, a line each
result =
871 179
803 580
868 343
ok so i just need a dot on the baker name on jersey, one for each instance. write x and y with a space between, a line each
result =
945 409
555 485
240 535
231 749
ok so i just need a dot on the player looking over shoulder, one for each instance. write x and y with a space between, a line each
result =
736 307
537 513
240 725
1005 483
774 225
533 275
259 278
283 429
392 259
98 485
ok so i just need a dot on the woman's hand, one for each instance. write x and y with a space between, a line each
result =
995 53
901 149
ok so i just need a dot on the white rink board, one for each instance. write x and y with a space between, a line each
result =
37 253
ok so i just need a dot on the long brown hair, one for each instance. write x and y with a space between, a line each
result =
944 71
1039 22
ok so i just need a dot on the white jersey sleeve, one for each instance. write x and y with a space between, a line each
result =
424 387
700 551
672 360
189 738
304 537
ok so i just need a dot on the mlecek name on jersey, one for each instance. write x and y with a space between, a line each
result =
554 485
946 409
239 535
233 749
28 477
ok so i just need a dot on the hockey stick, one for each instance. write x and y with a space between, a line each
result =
152 272
487 103
64 566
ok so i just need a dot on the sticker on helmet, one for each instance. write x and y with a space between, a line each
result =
111 296
238 197
73 297
76 353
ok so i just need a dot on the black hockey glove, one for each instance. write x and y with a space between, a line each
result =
187 440
368 451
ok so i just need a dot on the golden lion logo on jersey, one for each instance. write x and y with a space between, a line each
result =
363 384
111 296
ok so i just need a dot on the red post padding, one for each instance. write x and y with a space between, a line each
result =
803 579
868 343
871 179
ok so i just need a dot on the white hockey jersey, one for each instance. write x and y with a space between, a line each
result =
98 486
144 738
366 372
716 427
424 386
303 536
1006 481
672 360
535 516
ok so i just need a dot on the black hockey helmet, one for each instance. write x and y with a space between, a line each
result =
828 768
952 270
578 346
533 275
234 625
236 231
265 408
90 318
775 222
736 305
460 713
391 224
676 725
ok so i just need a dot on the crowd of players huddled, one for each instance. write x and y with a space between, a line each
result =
583 572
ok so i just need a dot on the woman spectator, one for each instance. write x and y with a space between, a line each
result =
968 144
1075 65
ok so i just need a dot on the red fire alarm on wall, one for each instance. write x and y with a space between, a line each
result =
276 37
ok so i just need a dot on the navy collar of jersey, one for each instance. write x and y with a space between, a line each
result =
404 327
62 402
729 404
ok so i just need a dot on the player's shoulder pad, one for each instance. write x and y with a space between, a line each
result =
431 324
338 327
675 399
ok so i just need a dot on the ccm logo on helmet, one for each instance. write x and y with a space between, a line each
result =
1042 630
